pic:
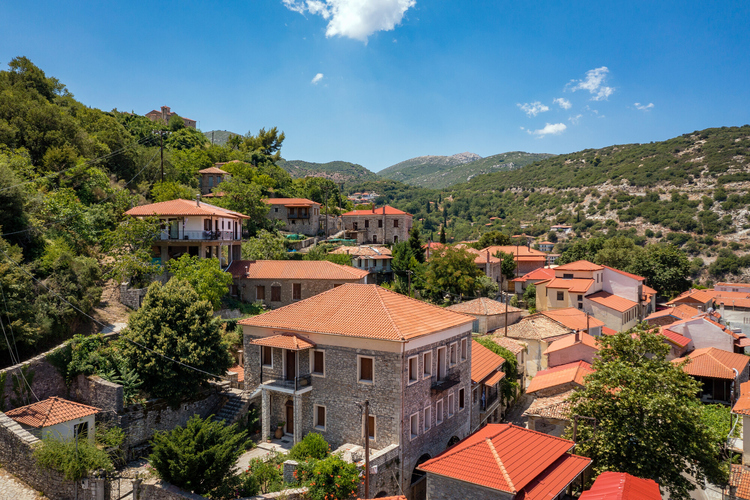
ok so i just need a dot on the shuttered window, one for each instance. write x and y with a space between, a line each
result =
365 369
260 293
275 294
296 291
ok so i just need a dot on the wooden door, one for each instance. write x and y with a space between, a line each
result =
291 365
290 419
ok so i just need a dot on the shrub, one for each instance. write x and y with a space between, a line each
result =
333 479
312 446
73 461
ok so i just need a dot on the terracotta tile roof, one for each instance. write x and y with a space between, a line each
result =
434 245
294 270
610 301
580 265
537 327
365 311
675 338
212 170
398 497
698 295
285 341
575 285
513 346
570 340
713 363
240 371
573 318
181 207
740 478
364 251
680 311
506 458
742 406
483 256
497 377
214 195
299 202
483 362
608 331
621 486
483 306
648 290
519 252
49 412
557 477
630 275
543 273
559 375
732 299
557 407
387 210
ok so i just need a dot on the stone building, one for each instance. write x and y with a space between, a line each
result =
486 374
378 225
165 114
537 332
527 259
299 215
489 315
209 178
278 283
57 418
550 414
194 228
317 361
371 258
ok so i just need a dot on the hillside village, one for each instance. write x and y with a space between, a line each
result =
207 325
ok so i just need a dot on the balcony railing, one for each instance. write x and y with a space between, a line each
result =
294 215
297 383
450 380
200 235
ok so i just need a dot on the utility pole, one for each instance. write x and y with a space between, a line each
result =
502 277
367 449
161 134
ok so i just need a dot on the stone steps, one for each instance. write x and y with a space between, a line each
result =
236 405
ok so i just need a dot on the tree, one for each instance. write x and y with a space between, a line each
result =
618 252
313 445
529 296
129 248
199 457
665 268
332 479
170 190
415 243
74 460
246 198
508 265
204 275
406 268
175 123
552 236
443 239
452 271
492 238
175 324
265 246
648 417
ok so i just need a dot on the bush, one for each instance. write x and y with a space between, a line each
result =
333 479
312 446
73 461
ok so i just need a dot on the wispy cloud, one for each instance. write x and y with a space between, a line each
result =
644 107
533 108
317 78
594 83
563 103
575 119
356 19
549 129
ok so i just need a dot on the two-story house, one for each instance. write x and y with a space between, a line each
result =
373 259
317 361
209 178
378 225
486 375
299 215
195 228
527 259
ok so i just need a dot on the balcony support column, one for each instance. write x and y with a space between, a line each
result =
266 415
297 418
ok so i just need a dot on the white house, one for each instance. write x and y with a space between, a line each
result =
57 418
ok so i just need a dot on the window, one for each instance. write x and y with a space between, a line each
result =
395 238
319 363
370 426
450 405
366 369
560 295
380 222
296 291
441 363
439 412
267 356
81 430
210 181
427 418
454 354
580 298
464 349
367 223
276 293
414 425
474 396
320 417
260 293
276 210
413 369
395 222
356 226
206 224
461 404
567 276
427 364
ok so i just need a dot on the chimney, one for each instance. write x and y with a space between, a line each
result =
198 201
373 208
578 336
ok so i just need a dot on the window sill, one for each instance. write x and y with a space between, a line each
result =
366 382
412 382
319 375
319 428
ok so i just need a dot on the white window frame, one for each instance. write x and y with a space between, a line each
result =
409 380
375 427
427 424
411 426
312 364
458 397
451 352
451 403
315 417
426 366
464 349
444 350
261 355
439 413
359 370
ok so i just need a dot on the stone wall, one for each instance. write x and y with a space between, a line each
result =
155 489
379 226
308 288
45 381
443 488
132 297
95 391
385 482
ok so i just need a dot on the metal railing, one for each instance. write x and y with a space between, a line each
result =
451 379
199 235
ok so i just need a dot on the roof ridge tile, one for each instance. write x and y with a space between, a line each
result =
499 462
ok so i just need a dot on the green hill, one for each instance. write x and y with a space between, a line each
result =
219 137
338 171
437 172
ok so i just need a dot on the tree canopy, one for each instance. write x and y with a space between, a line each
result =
204 275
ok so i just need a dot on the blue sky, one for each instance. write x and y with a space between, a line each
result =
403 78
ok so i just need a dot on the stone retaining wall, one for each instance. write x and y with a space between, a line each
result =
156 489
132 297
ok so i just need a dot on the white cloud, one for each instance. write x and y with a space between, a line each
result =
644 107
575 119
594 83
564 103
534 108
549 129
317 78
357 19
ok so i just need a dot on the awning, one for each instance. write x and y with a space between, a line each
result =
497 377
742 342
285 341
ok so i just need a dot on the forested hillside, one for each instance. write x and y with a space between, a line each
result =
337 171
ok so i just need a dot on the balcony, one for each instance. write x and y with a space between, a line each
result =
300 384
172 235
452 379
294 215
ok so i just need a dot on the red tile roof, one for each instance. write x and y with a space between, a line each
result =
212 170
183 208
621 486
543 273
387 210
575 285
285 341
697 295
559 375
742 406
648 290
519 252
630 275
680 311
557 407
483 306
573 318
240 371
570 341
554 480
610 301
740 478
675 338
580 265
294 270
608 331
300 202
365 311
483 362
49 412
713 363
497 377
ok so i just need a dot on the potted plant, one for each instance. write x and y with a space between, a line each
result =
279 430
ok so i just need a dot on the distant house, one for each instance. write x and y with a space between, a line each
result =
739 482
621 486
535 276
431 247
550 415
732 287
559 379
277 283
700 299
561 228
373 259
715 369
576 320
486 374
571 348
165 114
671 314
538 332
527 259
703 331
209 178
546 246
519 351
502 461
733 306
552 258
299 215
57 418
490 314
378 225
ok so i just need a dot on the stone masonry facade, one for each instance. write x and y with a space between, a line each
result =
247 289
378 228
443 488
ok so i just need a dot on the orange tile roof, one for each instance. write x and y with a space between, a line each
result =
240 371
497 377
610 301
575 285
557 406
294 270
386 210
622 486
698 295
483 362
212 170
364 251
733 299
675 338
630 275
570 340
483 306
579 265
740 478
713 363
557 477
680 311
573 318
559 375
302 202
506 458
482 256
285 341
183 208
648 290
742 406
537 327
608 331
518 251
49 412
543 273
366 311
513 346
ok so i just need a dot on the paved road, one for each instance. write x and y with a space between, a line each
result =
13 488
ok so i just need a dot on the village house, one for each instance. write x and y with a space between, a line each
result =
579 346
373 259
377 225
314 363
679 345
209 178
519 351
576 320
538 332
550 414
742 408
703 332
194 228
165 113
57 418
503 461
699 299
552 258
299 215
432 247
732 302
486 376
546 246
278 283
522 282
671 314
717 371
527 259
621 486
489 314
562 228
559 379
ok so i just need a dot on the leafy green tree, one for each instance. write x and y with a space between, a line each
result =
129 248
199 457
404 265
452 271
332 478
529 296
265 246
246 198
175 323
186 138
313 445
665 268
619 252
175 123
170 190
552 236
648 418
204 275
492 238
74 460
508 265
415 243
